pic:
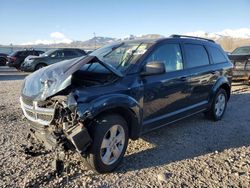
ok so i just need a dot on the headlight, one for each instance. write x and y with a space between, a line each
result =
28 61
71 102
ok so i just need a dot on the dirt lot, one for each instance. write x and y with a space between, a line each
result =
195 152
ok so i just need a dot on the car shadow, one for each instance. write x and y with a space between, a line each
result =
192 137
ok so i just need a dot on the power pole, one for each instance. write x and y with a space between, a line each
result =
95 39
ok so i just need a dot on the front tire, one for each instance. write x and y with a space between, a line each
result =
219 105
110 140
39 66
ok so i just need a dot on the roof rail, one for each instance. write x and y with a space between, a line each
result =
186 36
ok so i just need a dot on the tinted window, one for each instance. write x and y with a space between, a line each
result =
217 55
196 55
15 54
25 53
170 55
69 53
58 54
81 52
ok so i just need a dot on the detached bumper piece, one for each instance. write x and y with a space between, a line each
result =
80 138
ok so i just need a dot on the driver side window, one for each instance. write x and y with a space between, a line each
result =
170 55
58 54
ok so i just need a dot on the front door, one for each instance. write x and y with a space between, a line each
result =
165 95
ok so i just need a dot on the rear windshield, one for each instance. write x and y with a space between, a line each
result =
13 53
241 50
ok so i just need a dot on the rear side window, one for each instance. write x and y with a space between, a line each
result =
70 53
196 55
25 54
217 55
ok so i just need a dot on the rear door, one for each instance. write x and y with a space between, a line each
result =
165 95
69 54
201 77
22 56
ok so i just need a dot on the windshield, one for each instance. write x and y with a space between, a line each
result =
47 53
120 56
241 50
13 53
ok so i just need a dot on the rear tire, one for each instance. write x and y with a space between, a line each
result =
110 140
219 105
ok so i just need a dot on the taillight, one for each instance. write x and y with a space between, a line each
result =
13 58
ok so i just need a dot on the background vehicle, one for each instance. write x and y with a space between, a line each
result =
97 102
3 59
50 57
240 57
15 59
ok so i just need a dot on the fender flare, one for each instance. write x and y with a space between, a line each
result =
220 82
112 102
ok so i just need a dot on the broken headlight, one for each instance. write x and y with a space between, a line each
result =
71 102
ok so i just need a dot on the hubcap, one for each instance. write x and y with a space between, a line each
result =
112 144
220 104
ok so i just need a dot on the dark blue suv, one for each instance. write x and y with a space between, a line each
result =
94 104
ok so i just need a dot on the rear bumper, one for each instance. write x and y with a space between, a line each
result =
241 74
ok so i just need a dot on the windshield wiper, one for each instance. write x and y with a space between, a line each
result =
128 59
112 49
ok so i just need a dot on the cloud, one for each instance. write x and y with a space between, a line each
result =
57 35
55 38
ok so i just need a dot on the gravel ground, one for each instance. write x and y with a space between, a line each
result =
195 152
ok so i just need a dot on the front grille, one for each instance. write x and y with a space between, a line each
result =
35 113
27 101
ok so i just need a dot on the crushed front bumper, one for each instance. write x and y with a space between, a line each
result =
42 129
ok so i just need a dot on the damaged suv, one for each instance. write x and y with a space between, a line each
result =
94 104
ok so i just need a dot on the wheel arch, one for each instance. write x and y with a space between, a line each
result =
124 106
223 83
40 63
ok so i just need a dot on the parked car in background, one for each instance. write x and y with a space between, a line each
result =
50 57
16 58
3 59
89 51
94 104
240 57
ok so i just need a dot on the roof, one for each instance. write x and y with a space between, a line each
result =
171 37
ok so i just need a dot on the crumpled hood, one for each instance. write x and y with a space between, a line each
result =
50 80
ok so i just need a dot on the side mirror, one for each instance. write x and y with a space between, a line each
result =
153 67
53 55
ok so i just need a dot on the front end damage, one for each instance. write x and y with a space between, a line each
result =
54 125
55 128
49 105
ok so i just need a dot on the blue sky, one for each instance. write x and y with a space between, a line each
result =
29 20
